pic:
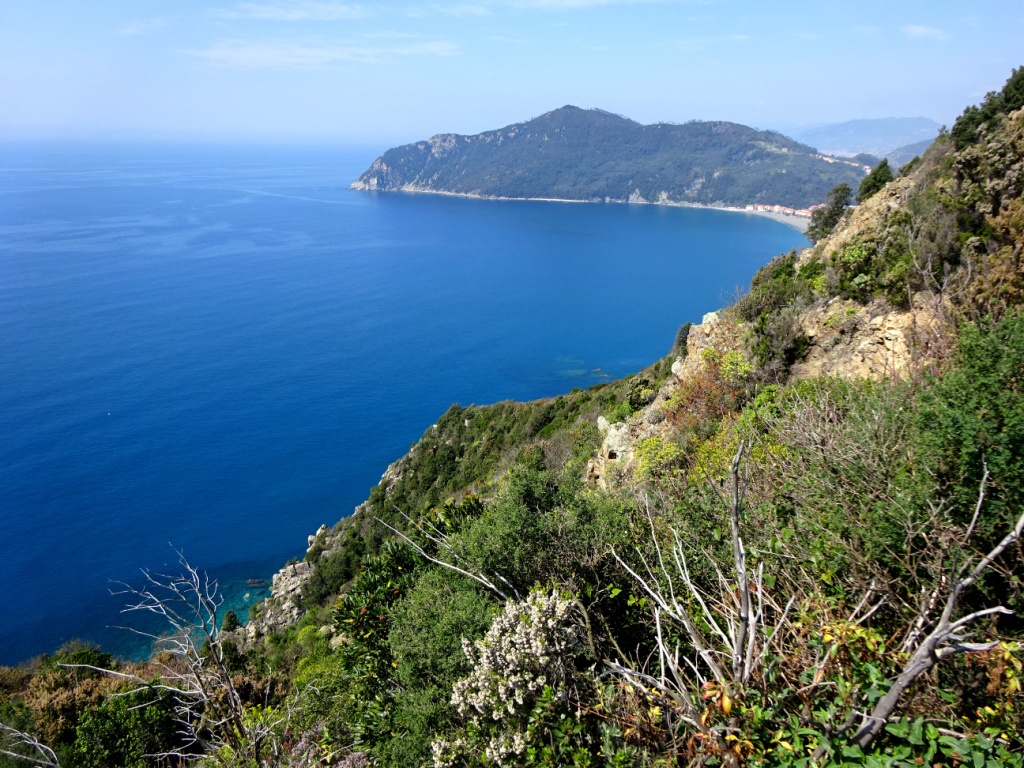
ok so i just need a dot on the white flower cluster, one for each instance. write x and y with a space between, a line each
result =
446 753
527 648
497 751
522 652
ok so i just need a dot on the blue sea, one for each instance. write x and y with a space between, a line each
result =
218 349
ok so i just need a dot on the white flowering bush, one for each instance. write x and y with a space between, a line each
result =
525 654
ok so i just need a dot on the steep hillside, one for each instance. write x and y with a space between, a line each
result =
577 154
794 541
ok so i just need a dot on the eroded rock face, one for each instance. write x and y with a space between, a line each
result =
852 341
712 333
311 540
282 608
615 459
846 339
616 450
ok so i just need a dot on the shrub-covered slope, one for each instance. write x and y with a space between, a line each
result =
795 541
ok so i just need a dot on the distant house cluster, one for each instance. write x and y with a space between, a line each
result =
765 208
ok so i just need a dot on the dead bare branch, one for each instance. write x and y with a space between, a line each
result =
26 748
192 671
479 578
947 637
735 614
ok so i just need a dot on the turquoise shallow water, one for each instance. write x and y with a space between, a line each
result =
221 348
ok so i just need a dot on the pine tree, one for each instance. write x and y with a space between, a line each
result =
824 219
880 175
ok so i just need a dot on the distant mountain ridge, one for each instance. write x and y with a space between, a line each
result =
878 137
905 154
589 154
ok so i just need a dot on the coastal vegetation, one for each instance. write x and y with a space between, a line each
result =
731 558
577 154
825 218
880 175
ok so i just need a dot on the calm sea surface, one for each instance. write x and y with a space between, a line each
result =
220 349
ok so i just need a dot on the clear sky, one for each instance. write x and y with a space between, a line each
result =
399 70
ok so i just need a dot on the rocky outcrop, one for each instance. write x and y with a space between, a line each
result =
867 222
846 339
615 458
283 607
851 341
714 333
615 453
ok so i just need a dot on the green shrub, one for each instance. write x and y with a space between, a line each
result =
512 538
825 218
973 416
332 572
679 346
641 392
429 624
619 413
658 460
78 653
771 288
324 693
880 175
126 730
426 640
778 342
230 622
839 466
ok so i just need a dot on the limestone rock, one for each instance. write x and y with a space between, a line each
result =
867 220
851 341
311 540
713 333
281 609
616 454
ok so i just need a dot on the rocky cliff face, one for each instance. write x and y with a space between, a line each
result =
844 338
865 342
282 608
868 221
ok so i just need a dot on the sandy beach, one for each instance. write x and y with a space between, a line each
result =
797 222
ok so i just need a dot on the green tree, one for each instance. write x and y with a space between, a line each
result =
1009 99
231 622
824 219
880 175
